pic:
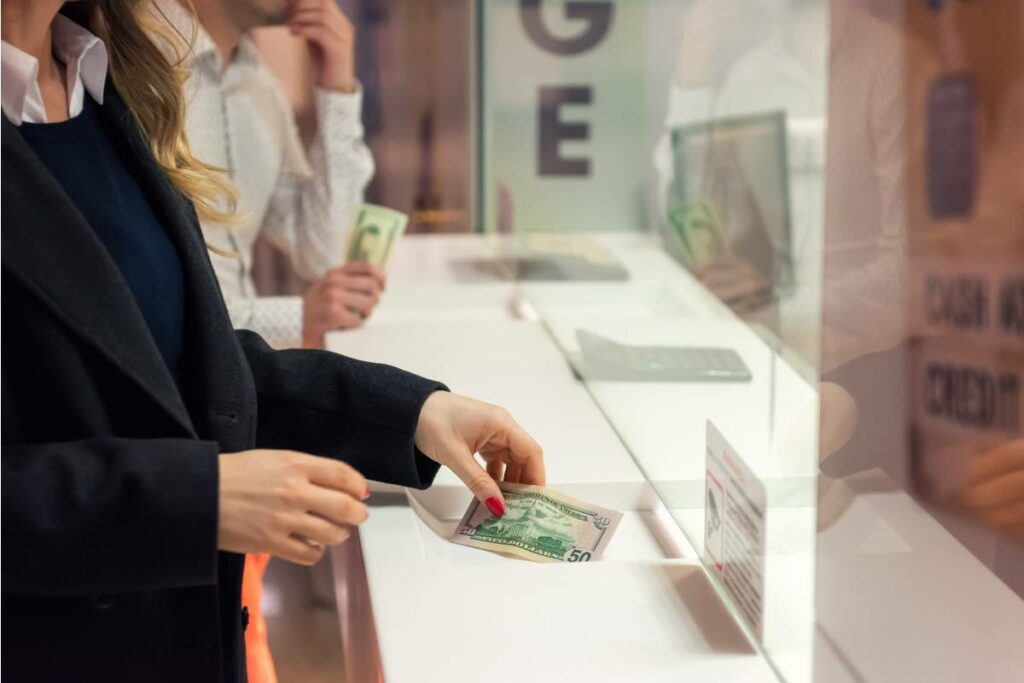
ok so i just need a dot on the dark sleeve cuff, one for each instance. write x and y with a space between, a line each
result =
426 470
191 497
323 403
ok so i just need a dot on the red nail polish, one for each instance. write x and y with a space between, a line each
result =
496 507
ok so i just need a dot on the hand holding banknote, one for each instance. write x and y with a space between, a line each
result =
452 429
512 513
340 300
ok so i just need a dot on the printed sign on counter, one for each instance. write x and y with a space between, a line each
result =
734 527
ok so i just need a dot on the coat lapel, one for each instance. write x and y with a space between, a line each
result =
49 246
214 374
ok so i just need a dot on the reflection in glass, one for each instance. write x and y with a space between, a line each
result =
693 140
918 515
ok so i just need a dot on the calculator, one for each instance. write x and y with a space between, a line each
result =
606 359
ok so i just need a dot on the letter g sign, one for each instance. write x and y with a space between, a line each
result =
598 16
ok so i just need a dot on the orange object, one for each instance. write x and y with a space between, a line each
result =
258 661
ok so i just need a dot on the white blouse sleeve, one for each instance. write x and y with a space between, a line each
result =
315 200
278 319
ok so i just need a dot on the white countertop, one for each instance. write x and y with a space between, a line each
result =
449 613
662 620
647 612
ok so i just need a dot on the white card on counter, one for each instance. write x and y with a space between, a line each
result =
734 527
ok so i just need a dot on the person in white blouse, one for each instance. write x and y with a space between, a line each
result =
239 119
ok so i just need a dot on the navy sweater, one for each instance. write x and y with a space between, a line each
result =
80 155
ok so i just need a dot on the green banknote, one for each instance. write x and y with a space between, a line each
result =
539 525
376 231
699 231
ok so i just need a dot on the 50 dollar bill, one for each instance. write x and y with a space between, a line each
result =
539 525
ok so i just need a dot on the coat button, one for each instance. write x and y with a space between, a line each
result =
101 603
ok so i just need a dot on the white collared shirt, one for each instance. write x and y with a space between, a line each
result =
85 62
239 119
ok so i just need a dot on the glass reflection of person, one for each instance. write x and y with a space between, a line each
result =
713 35
863 280
767 56
994 491
786 72
739 273
866 361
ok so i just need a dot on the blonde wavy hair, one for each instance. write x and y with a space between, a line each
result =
152 88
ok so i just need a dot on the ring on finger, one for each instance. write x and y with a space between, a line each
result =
319 547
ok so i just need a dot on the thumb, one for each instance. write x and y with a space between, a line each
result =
475 477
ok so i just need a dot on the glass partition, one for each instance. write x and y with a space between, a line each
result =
921 491
653 173
780 242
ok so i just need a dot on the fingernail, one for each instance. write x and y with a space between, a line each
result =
367 494
496 507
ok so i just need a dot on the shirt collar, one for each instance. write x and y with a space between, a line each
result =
202 51
19 88
83 51
85 61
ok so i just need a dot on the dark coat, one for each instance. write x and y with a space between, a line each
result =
110 481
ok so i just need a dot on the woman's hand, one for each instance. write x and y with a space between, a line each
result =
995 492
839 415
452 429
287 504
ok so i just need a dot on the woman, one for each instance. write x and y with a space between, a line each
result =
130 407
